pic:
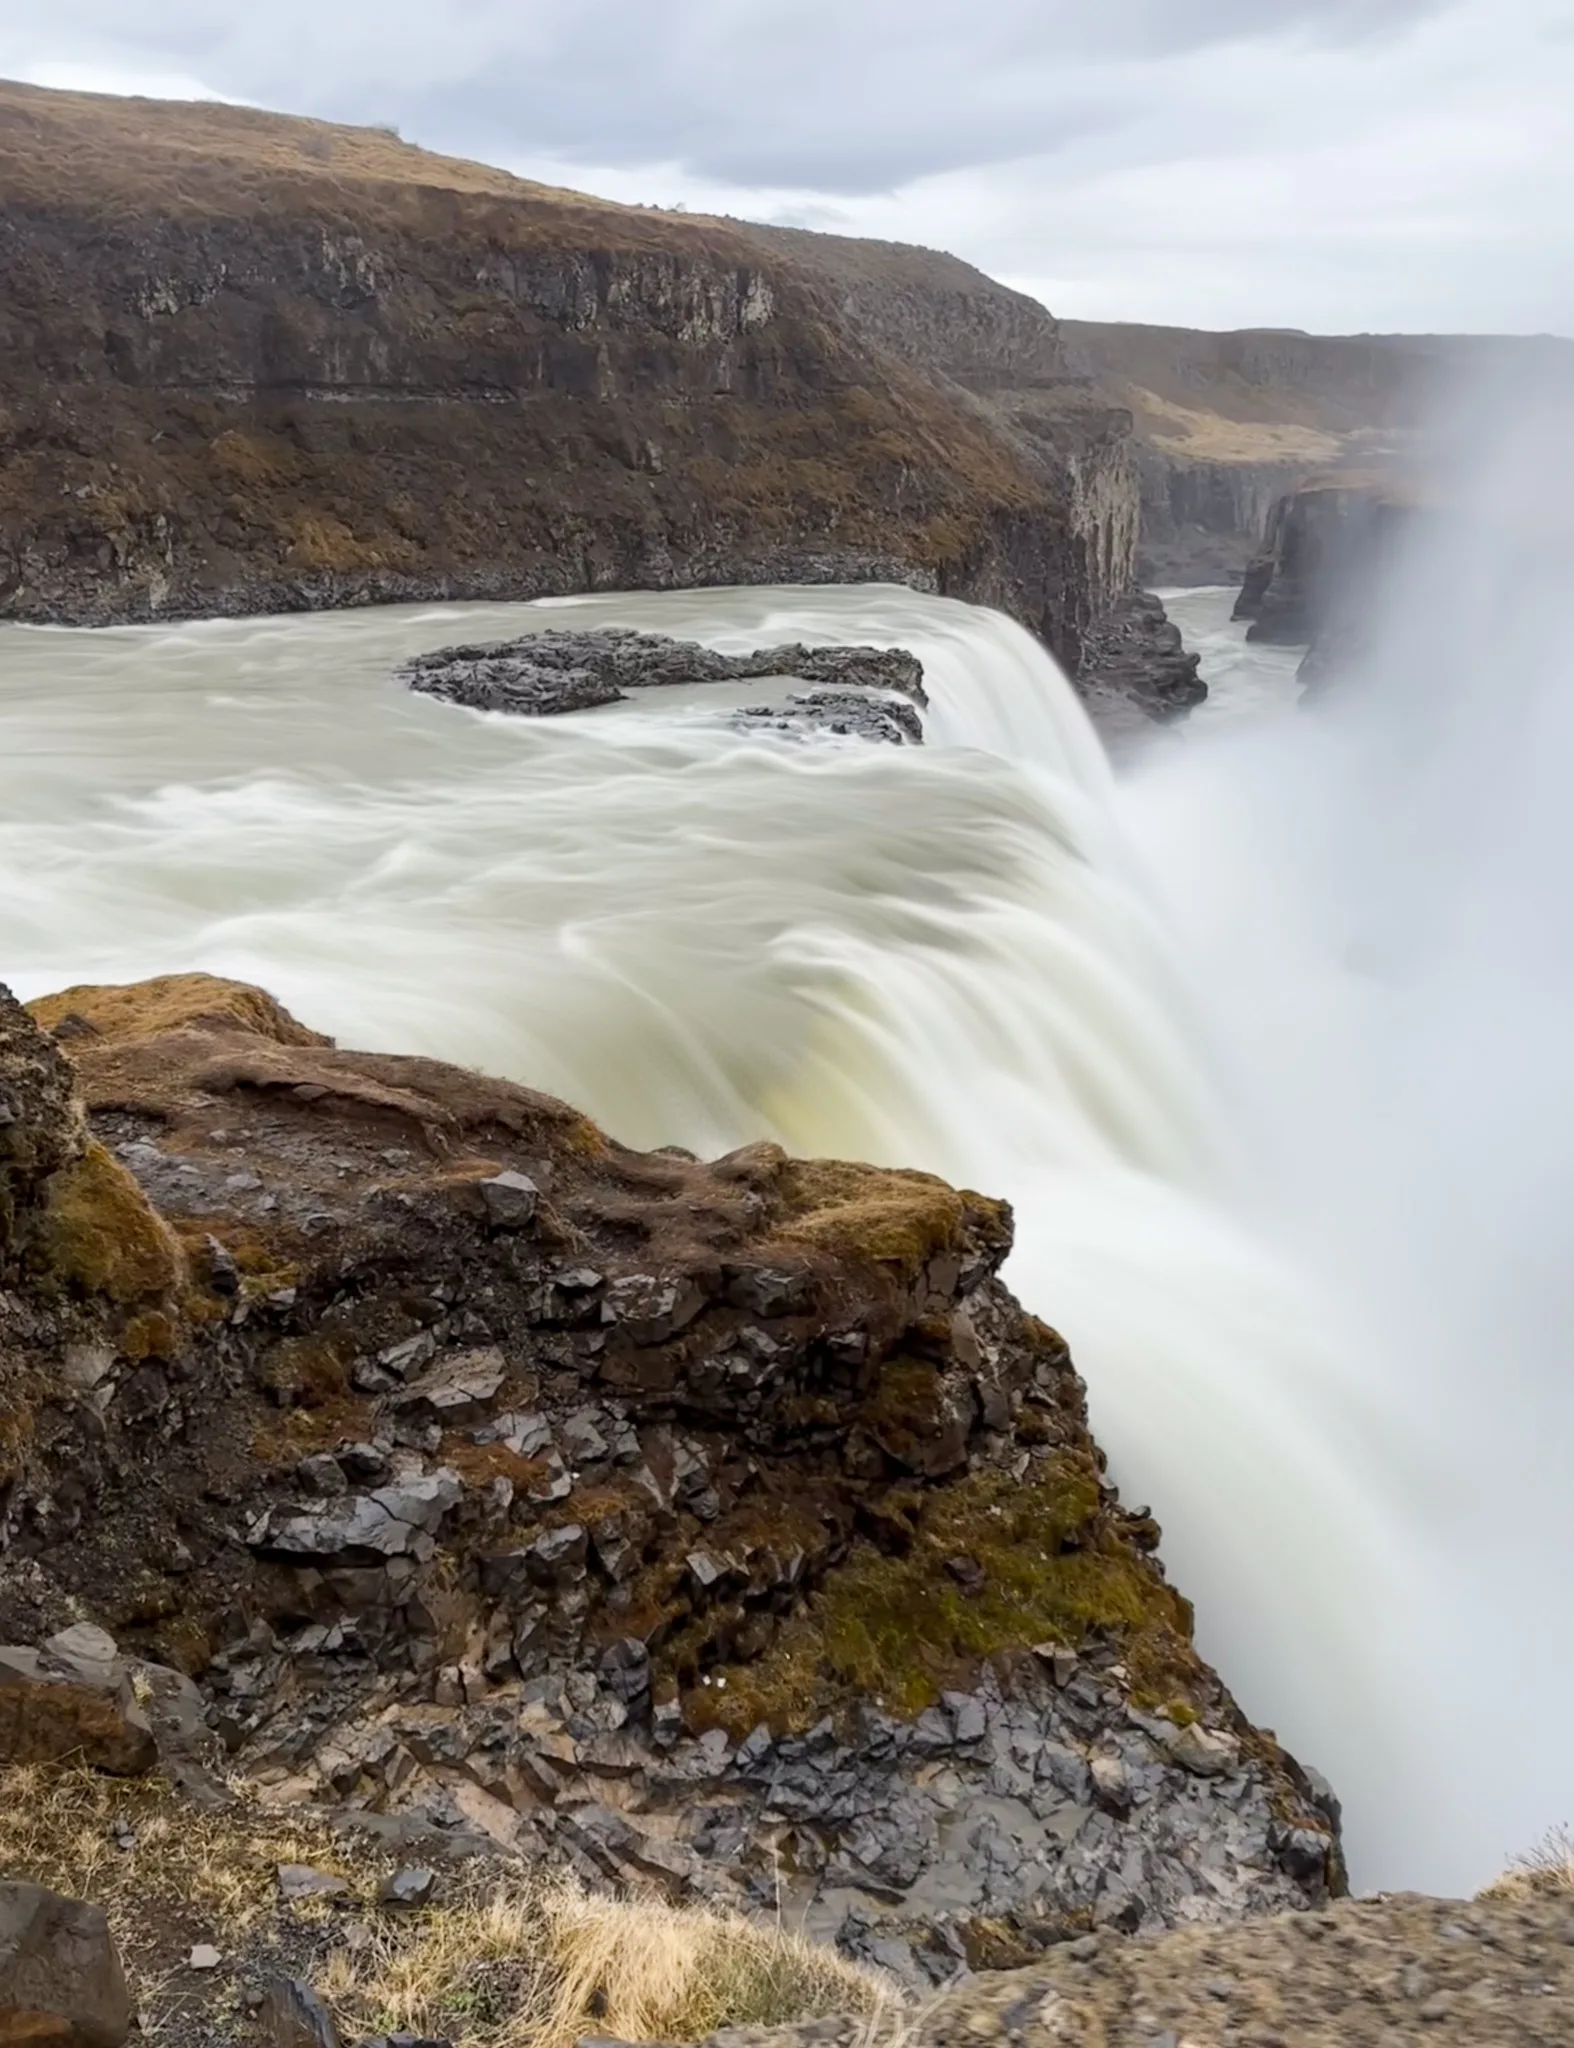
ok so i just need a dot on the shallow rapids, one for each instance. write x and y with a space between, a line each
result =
961 957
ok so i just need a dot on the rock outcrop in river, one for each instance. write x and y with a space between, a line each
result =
723 1526
865 692
250 363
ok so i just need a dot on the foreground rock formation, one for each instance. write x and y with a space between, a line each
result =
727 1527
249 363
60 1979
1487 1973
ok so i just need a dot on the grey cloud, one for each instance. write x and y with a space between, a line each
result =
838 96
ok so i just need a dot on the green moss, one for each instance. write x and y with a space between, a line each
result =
901 1628
99 1235
905 1410
860 1212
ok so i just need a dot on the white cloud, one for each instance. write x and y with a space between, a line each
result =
1331 164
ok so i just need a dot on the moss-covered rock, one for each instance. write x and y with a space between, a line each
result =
97 1234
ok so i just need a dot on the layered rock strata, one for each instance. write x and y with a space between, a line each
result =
724 1526
250 363
1318 580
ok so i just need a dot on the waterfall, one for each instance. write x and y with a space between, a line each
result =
984 957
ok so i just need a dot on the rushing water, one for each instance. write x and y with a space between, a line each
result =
978 957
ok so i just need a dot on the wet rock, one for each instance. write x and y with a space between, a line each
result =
848 714
60 1979
545 674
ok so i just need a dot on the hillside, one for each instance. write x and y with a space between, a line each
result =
250 362
1229 423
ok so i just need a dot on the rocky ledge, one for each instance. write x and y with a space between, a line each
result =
868 691
1137 672
1495 1972
725 1526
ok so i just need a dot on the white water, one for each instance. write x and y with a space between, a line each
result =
981 957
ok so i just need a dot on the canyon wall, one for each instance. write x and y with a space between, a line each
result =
1228 424
253 363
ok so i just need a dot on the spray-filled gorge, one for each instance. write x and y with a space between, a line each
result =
950 957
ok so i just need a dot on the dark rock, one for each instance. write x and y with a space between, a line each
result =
547 673
293 2016
72 1700
223 1273
1135 668
458 1390
511 1200
410 1885
1314 581
769 1291
60 1979
849 714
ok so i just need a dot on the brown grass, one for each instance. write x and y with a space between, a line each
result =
98 1233
1546 1871
541 1964
125 1012
502 1959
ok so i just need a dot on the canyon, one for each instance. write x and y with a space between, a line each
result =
251 363
623 1482
1227 425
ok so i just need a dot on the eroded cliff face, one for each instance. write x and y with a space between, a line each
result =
1002 357
1228 424
251 363
721 1526
1321 562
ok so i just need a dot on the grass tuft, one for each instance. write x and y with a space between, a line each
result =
504 1957
1546 1871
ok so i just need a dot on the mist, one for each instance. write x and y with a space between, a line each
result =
1375 898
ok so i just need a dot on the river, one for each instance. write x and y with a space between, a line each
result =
987 956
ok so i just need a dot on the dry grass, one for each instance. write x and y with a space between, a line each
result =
62 1828
1547 1871
542 1964
503 1958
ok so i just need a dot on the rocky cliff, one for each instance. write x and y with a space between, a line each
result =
254 363
1228 424
726 1527
1316 580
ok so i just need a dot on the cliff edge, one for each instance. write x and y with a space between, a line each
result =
254 363
721 1527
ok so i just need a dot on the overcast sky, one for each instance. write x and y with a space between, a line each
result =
1332 164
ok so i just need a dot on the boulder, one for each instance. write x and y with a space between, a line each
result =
60 1979
293 2016
72 1700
